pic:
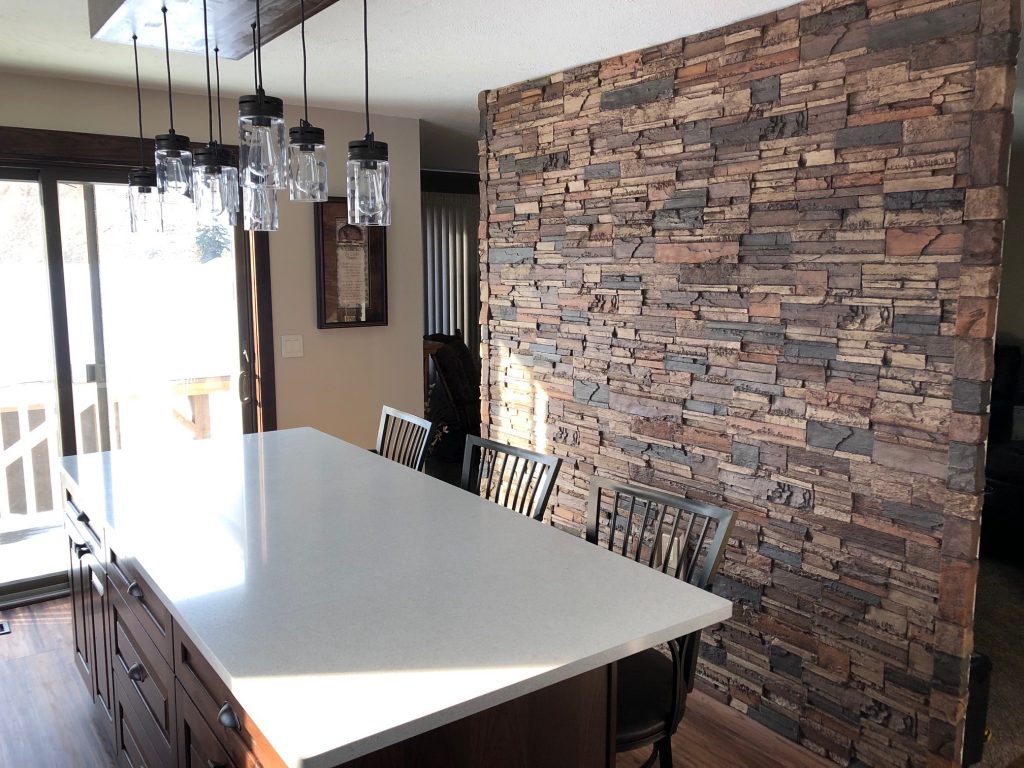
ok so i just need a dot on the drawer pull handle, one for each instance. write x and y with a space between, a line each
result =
137 672
135 590
81 550
227 718
82 517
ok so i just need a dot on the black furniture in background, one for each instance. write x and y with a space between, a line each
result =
403 437
516 478
685 539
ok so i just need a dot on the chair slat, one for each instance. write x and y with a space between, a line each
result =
516 478
403 438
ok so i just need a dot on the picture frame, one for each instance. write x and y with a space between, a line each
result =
351 269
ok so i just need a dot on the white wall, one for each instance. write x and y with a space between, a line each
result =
345 375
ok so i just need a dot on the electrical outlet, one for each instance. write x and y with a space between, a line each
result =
667 546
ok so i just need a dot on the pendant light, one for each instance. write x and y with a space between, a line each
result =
367 169
232 193
213 174
307 153
145 207
261 158
173 156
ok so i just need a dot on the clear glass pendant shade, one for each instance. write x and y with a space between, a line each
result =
259 209
145 203
215 190
261 142
174 172
215 183
307 165
369 192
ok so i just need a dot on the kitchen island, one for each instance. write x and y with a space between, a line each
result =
290 599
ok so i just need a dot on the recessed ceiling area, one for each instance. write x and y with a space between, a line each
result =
428 58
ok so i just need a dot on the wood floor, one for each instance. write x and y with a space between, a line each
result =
45 711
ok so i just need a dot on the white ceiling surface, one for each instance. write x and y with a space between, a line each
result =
428 58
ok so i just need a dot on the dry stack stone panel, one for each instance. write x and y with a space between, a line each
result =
760 266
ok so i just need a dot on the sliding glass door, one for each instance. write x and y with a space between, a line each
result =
110 340
31 544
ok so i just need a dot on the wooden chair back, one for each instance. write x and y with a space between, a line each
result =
517 478
403 437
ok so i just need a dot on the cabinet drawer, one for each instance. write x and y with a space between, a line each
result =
141 600
244 744
144 684
134 748
80 518
197 746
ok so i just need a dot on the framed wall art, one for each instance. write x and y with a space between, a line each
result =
351 269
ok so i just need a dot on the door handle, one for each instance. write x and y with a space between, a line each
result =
244 387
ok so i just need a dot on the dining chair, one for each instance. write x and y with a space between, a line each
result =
516 478
403 437
684 539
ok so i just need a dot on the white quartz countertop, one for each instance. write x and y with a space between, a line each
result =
350 603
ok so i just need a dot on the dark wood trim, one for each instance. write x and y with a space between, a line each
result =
59 314
264 383
450 181
34 146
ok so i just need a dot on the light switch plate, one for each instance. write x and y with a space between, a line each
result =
291 346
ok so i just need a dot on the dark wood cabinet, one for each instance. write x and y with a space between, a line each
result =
87 576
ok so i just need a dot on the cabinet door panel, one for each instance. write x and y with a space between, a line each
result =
197 746
102 683
81 616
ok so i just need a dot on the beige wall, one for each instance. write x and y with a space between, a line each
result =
345 375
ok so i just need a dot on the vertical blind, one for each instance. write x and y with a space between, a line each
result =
451 269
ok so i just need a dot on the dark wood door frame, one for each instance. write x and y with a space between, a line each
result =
46 156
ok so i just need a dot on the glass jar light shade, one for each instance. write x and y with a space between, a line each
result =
259 209
261 143
173 161
368 177
214 183
307 164
145 203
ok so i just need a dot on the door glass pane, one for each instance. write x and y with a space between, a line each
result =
157 362
31 542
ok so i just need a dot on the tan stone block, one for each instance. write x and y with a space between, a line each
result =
957 582
976 317
994 88
985 203
968 427
697 253
979 281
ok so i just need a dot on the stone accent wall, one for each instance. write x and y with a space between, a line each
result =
760 266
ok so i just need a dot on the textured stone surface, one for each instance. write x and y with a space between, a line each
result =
759 267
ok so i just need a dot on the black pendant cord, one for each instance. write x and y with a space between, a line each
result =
220 123
167 55
209 87
259 51
366 69
305 92
138 96
255 61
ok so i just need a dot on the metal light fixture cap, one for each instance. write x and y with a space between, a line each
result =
172 141
368 149
260 105
142 177
306 135
213 154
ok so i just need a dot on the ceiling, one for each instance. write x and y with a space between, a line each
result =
428 58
